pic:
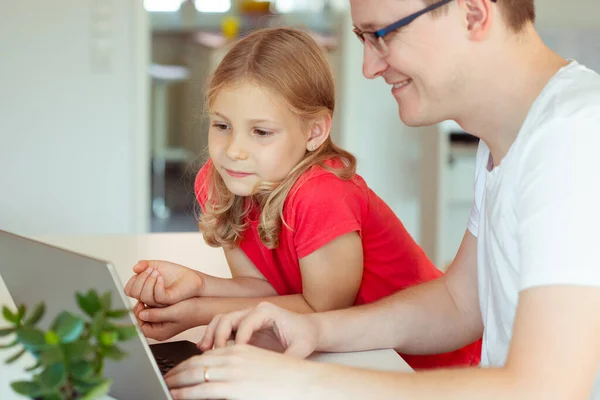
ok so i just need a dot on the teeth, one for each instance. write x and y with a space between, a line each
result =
401 84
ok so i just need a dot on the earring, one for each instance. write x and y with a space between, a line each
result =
314 146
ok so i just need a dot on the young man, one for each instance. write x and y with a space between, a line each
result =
527 274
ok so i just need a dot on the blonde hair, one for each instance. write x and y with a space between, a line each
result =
291 65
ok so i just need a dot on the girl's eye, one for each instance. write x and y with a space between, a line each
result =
262 133
220 126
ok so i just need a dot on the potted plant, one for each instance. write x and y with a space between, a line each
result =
70 355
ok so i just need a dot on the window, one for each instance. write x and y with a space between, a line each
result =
215 6
162 5
286 6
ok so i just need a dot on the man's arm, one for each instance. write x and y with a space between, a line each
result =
555 353
435 317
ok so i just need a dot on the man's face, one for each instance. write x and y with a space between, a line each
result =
424 64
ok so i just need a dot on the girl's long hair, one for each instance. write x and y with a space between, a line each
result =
289 63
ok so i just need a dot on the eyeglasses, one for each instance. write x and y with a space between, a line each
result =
375 39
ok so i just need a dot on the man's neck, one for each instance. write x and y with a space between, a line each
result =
511 80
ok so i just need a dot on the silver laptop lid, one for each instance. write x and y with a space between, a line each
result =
34 272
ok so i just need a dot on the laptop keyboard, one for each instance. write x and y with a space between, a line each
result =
164 365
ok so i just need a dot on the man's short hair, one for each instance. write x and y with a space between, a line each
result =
516 13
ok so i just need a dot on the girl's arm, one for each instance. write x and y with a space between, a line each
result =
331 278
246 281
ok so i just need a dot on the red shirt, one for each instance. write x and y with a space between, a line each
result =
321 207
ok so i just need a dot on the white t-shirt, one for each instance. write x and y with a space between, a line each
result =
537 214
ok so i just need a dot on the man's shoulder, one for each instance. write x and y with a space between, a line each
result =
573 93
568 108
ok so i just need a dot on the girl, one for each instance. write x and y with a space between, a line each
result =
298 226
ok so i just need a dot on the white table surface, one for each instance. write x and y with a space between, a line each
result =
188 249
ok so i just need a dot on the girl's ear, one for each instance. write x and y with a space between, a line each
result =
319 132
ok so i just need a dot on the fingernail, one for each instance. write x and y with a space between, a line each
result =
149 270
160 278
144 315
155 273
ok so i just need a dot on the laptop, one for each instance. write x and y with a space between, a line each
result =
34 272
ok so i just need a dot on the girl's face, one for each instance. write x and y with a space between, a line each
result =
253 137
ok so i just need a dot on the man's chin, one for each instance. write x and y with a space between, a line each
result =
414 119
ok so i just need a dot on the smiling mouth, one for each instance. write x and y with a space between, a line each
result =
401 84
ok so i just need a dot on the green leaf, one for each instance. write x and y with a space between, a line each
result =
107 300
34 367
117 314
84 385
98 391
9 345
29 389
15 357
31 338
54 396
89 303
77 350
68 327
51 355
52 338
53 377
97 324
36 315
108 338
113 353
21 312
82 369
126 332
9 316
7 331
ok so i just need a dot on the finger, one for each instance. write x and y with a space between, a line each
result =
141 266
212 390
225 329
255 321
129 285
208 339
138 285
222 332
139 307
195 375
211 359
158 330
161 294
147 293
156 264
164 314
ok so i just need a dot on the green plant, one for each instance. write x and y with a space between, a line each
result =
70 355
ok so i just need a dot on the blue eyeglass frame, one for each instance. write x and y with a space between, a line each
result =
407 20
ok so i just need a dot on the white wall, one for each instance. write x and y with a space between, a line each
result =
73 116
561 13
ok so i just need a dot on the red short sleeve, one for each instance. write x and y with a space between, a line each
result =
323 208
201 184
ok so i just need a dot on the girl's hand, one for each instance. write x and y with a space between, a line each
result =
162 283
244 372
166 322
297 333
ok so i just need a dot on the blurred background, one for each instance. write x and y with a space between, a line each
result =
101 113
